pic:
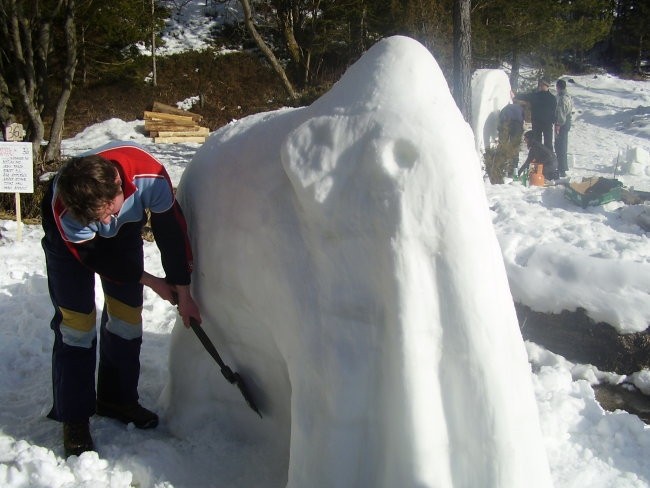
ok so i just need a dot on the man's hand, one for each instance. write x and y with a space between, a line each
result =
557 129
163 289
178 295
187 307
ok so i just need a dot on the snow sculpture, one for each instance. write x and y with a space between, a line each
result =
637 162
347 268
490 93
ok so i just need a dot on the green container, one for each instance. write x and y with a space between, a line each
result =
594 191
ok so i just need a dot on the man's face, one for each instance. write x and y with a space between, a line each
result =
527 141
110 209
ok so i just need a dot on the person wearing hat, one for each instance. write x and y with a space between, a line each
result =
542 112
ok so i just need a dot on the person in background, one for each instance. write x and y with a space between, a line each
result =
539 153
542 112
562 125
93 214
511 128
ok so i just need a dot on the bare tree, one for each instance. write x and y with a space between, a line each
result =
53 150
26 35
463 57
154 79
277 67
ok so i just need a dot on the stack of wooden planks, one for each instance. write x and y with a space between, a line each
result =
169 124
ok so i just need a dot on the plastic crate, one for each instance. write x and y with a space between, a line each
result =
593 191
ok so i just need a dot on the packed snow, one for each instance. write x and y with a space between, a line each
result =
346 274
555 255
490 93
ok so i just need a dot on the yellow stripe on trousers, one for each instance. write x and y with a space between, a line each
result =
123 320
78 328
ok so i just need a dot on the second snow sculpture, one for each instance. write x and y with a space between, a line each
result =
347 267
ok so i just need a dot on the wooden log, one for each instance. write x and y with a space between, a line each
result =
150 125
163 116
196 131
161 107
200 139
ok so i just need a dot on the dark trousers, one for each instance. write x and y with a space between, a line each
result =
72 290
543 133
561 148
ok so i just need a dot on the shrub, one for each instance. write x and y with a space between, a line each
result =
499 160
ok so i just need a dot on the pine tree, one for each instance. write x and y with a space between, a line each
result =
540 32
110 31
630 34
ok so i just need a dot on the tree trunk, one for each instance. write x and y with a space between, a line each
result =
277 67
6 108
285 16
53 150
462 57
639 53
514 72
21 49
153 45
84 65
27 42
358 29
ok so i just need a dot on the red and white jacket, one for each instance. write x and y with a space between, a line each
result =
114 250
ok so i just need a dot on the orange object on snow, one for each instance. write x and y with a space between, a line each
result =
536 176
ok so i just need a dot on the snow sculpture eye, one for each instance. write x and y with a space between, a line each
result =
330 154
399 154
311 156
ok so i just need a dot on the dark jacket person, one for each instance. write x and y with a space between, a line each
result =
542 112
539 153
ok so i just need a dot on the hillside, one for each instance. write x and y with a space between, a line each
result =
230 86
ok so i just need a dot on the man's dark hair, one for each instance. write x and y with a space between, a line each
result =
561 85
529 135
86 184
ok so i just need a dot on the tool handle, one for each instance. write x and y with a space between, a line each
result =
232 377
207 343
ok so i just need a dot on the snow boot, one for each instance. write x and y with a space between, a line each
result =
76 438
128 413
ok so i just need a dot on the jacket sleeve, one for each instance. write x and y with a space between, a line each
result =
563 110
170 231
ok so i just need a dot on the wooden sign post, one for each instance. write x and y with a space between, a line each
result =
16 168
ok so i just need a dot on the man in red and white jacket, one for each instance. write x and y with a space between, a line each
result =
93 215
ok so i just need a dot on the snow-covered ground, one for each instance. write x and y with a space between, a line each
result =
557 256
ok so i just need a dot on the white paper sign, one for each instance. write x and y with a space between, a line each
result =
16 167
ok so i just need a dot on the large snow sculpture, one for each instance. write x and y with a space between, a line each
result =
490 93
347 268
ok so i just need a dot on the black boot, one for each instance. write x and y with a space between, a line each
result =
129 413
76 438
